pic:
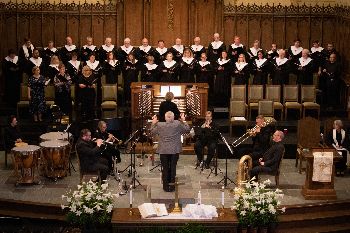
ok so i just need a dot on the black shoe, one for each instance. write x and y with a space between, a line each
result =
171 188
198 163
207 166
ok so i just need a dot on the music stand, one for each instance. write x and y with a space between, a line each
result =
224 180
132 136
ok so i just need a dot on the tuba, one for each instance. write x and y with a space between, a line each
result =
244 166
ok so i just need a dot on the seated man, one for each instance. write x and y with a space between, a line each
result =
111 150
90 154
271 158
207 135
168 105
12 134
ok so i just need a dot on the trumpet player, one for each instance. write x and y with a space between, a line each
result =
111 150
208 136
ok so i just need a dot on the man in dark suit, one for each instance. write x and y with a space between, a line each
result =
90 154
271 158
169 145
12 134
168 105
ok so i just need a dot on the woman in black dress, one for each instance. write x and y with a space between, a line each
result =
87 85
130 74
241 72
260 69
111 69
223 80
36 94
187 64
149 71
62 82
169 69
52 70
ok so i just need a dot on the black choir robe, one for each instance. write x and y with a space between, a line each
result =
280 70
149 73
318 56
35 62
235 50
260 69
130 74
339 138
204 72
51 72
66 53
331 74
272 54
177 52
24 54
123 52
46 55
168 71
252 54
197 50
186 71
74 70
12 74
294 54
88 95
86 51
214 50
96 68
159 55
241 73
112 69
305 71
222 87
142 53
104 49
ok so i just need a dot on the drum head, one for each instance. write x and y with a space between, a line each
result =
54 136
54 144
28 148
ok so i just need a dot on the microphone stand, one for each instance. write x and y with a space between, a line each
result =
226 178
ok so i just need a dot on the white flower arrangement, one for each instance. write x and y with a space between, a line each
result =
256 205
92 203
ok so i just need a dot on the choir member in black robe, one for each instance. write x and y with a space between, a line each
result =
305 68
88 49
294 53
222 86
317 54
131 69
112 69
215 48
48 52
143 51
273 53
124 50
96 68
106 48
149 71
25 52
52 69
260 68
197 49
330 50
87 85
74 67
12 135
280 69
35 60
241 72
339 139
62 83
67 50
12 75
169 69
204 71
253 51
236 49
331 73
160 52
177 50
187 65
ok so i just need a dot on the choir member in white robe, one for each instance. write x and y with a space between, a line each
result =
197 49
35 60
294 53
143 51
177 50
222 88
131 69
187 65
169 69
48 52
241 72
253 51
67 50
305 68
106 48
160 52
215 48
260 68
88 49
280 69
236 49
112 69
149 71
124 50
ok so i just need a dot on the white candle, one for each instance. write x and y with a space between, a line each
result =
223 196
199 198
130 194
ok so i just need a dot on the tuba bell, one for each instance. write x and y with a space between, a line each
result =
244 166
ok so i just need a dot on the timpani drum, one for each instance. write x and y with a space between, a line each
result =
55 155
25 163
52 136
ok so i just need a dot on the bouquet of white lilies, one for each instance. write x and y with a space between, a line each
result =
92 203
256 205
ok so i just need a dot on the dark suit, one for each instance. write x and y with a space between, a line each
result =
166 106
90 158
342 138
110 151
206 137
11 135
271 160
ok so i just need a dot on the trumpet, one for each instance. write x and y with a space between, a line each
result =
115 139
250 133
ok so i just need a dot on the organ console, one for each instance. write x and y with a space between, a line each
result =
191 98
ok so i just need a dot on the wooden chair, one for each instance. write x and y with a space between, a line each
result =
109 100
328 128
273 92
308 99
255 93
24 101
277 173
266 108
238 93
290 99
87 176
238 112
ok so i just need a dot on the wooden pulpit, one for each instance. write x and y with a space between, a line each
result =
313 190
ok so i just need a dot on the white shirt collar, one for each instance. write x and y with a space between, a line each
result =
54 66
313 49
151 66
188 60
304 62
270 52
216 44
222 62
202 64
94 65
161 51
36 62
70 47
260 62
280 61
240 65
75 64
127 50
25 50
335 136
113 62
296 50
179 48
14 60
169 64
196 47
145 48
53 49
254 51
234 46
108 48
135 61
91 47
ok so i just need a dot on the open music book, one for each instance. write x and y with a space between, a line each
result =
148 210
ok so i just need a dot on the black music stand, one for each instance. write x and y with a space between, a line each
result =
226 178
132 136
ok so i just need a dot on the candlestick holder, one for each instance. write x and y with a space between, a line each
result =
130 210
